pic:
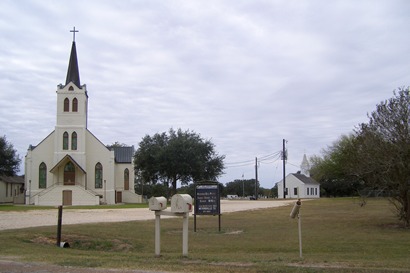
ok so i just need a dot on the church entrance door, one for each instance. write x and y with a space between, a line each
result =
67 198
118 197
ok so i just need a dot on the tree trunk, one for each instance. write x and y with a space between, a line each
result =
174 186
407 209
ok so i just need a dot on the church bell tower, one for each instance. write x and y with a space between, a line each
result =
72 112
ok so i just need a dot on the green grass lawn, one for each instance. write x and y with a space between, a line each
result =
338 236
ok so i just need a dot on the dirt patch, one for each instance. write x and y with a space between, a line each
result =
234 232
13 266
87 243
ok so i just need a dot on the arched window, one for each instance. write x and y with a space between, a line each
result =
126 179
69 174
74 141
66 105
42 176
98 175
65 141
71 88
75 105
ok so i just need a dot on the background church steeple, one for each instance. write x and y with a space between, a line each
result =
73 73
305 166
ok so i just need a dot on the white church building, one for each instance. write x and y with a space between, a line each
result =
71 166
300 184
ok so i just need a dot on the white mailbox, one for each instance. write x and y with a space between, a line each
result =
181 203
157 203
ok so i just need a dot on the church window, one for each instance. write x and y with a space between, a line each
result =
42 176
75 105
74 141
71 88
66 105
295 191
65 141
126 179
98 175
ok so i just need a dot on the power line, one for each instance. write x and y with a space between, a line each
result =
266 159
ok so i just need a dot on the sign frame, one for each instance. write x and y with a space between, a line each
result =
207 200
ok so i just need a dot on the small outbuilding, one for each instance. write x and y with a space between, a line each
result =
299 186
12 189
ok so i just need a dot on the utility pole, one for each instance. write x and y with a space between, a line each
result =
284 175
256 178
243 187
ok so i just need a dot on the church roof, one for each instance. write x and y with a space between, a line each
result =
123 154
305 179
12 179
64 160
73 73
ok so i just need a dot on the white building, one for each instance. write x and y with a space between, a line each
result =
299 185
11 189
71 166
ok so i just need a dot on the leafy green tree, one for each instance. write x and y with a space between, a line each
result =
177 156
383 151
242 186
9 160
274 191
333 170
117 144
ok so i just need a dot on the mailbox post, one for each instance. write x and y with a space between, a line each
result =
181 205
296 213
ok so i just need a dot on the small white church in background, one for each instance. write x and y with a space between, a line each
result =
300 185
71 166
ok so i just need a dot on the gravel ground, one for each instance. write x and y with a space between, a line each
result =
34 218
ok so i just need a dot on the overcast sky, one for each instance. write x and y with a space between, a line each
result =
244 74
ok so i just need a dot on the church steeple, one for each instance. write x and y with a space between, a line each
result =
73 73
305 166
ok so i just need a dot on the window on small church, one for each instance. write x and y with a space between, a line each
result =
42 176
66 105
74 141
126 179
98 175
71 88
65 141
75 105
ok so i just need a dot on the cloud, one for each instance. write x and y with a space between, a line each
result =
245 74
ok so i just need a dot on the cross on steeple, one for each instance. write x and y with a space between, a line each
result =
74 31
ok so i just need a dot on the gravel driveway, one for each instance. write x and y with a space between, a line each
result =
35 218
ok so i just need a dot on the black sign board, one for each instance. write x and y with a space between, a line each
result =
207 201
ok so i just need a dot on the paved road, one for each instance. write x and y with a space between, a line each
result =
35 218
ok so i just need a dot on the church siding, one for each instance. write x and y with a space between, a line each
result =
85 154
